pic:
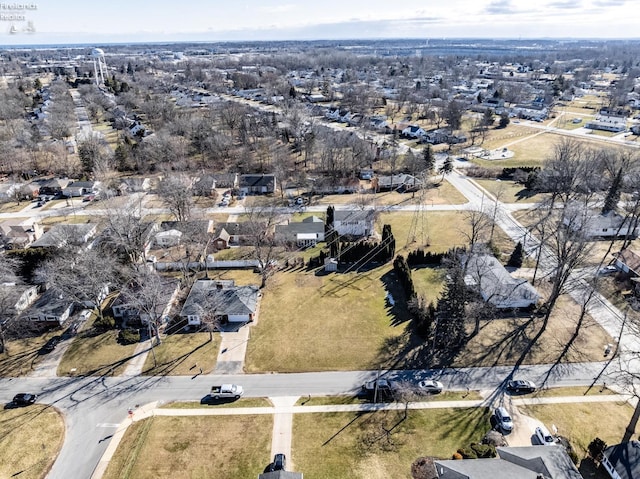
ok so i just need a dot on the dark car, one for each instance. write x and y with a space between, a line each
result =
379 388
521 386
279 463
24 399
50 345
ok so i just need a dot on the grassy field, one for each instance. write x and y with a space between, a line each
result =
428 282
582 422
509 191
573 391
324 322
444 396
242 402
354 446
99 354
21 355
179 353
227 447
30 439
440 230
12 206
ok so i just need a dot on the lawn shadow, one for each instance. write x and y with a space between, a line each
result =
524 194
165 368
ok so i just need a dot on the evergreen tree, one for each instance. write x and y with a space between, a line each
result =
613 195
429 158
328 226
517 256
504 120
449 333
447 167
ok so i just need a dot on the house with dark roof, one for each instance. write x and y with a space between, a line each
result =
257 184
229 234
63 234
354 222
628 261
531 462
50 307
485 274
306 233
167 294
402 183
622 461
220 299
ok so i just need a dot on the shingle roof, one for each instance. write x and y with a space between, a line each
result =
221 297
625 458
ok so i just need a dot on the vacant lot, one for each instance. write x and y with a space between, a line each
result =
509 191
428 282
93 353
435 231
183 354
355 446
194 447
30 439
582 422
323 322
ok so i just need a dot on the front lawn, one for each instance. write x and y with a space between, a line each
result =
337 321
30 439
582 422
20 356
95 354
230 447
355 446
183 354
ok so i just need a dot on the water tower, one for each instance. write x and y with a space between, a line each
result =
99 65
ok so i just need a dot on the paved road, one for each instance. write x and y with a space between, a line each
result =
94 407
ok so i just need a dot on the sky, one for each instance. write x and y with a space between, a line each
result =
117 21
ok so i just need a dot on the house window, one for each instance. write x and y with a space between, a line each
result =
604 229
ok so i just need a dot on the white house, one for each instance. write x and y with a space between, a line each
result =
354 222
166 239
220 299
596 225
622 461
306 233
414 131
494 283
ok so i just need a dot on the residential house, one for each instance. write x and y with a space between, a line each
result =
220 299
258 184
17 234
402 183
54 186
78 188
138 235
172 232
167 294
15 298
305 233
628 261
595 225
354 222
51 308
414 131
206 185
62 234
235 234
608 121
485 274
622 461
335 186
379 124
529 462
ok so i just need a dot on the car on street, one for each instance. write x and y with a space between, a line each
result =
521 386
279 463
544 437
379 389
24 399
430 386
503 419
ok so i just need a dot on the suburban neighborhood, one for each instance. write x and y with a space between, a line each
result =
320 259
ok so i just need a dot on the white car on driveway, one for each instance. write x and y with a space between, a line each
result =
544 437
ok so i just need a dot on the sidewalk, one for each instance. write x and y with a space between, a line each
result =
284 409
136 364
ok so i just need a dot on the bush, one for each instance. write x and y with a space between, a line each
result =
104 323
457 456
596 448
483 451
128 336
467 453
574 457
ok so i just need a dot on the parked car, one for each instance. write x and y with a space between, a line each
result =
50 345
605 270
430 386
380 389
24 399
226 391
544 437
279 463
503 419
521 386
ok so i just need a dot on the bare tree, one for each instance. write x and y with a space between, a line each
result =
176 194
8 268
82 275
265 248
478 225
